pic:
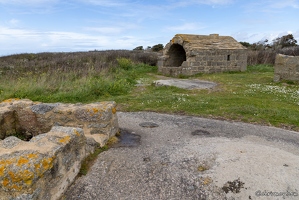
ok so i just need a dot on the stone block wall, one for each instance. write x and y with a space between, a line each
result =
214 61
42 168
98 120
207 61
62 136
286 68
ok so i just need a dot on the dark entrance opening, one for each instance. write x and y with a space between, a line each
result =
177 55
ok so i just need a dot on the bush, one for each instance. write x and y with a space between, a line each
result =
261 57
157 47
124 63
139 48
291 51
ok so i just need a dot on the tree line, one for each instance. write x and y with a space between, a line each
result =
278 43
264 52
155 48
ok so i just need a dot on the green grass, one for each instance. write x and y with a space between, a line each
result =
249 96
89 160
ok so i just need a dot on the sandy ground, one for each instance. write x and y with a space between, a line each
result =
193 158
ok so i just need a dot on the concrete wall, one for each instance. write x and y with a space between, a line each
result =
286 68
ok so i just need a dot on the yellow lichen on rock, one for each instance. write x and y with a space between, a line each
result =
10 100
22 161
5 182
32 156
4 164
113 110
16 187
95 110
2 168
76 132
27 177
14 177
65 139
47 163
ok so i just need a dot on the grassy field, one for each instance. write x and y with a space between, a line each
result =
249 96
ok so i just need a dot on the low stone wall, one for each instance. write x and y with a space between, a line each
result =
286 68
63 135
98 120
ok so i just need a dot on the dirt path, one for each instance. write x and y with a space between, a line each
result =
194 158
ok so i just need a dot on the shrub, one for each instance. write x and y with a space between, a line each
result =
261 57
124 63
157 47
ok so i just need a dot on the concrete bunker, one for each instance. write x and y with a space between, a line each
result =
192 54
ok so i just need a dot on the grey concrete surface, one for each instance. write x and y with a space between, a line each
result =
188 84
187 157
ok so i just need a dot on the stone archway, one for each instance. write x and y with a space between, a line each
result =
177 55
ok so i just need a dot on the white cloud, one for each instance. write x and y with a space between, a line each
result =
206 2
271 6
284 4
28 2
220 2
115 29
20 7
184 27
13 22
296 35
19 40
105 30
106 3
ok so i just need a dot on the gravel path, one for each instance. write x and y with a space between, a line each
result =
193 158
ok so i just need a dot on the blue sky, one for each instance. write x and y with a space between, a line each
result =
31 26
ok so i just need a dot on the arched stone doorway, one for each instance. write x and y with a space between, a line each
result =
177 55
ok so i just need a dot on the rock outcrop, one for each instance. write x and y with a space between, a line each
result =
62 136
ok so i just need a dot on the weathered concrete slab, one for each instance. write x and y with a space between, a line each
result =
188 84
195 158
